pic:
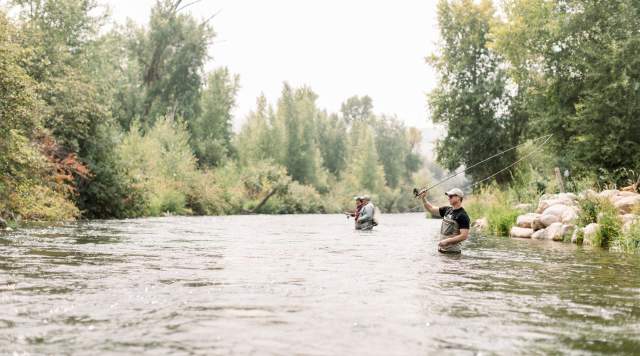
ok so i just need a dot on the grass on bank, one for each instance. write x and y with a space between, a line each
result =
498 207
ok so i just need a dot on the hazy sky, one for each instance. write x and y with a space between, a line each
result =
338 47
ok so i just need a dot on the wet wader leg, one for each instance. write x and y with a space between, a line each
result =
366 226
449 228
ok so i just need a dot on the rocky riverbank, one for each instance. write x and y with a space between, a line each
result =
580 218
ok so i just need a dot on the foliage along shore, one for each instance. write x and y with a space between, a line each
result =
606 219
107 121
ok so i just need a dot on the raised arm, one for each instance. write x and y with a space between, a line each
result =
434 210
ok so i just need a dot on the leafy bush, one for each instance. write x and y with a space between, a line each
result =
629 241
496 206
609 225
206 197
162 165
298 198
36 202
590 206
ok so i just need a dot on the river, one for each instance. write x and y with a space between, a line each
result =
307 285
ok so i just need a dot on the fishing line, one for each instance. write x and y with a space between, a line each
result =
546 140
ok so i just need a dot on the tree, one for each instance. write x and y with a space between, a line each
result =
31 185
170 56
364 170
296 113
333 142
356 109
471 98
576 62
212 130
393 150
258 139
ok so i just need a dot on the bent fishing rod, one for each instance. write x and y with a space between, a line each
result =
417 192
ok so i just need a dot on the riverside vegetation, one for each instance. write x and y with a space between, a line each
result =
608 219
107 121
519 69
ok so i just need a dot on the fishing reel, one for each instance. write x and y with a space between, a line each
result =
417 192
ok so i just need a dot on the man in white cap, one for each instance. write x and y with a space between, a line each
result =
455 223
367 218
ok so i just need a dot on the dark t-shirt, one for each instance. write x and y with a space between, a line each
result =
458 215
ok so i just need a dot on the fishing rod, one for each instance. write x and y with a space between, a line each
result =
417 192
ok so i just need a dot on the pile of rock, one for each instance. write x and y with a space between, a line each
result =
556 216
625 202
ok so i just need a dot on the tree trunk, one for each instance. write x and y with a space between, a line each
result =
264 201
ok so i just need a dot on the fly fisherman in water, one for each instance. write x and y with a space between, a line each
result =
367 218
356 213
455 223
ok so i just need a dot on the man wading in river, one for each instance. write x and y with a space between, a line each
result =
356 213
367 218
455 223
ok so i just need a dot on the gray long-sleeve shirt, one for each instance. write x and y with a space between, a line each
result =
367 213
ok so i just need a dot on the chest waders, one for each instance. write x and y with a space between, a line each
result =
368 224
448 229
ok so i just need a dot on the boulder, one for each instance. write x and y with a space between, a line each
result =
626 203
628 218
557 231
627 221
545 204
589 232
566 214
524 207
589 193
539 235
547 196
568 196
608 194
537 224
569 230
556 210
547 220
481 224
570 216
526 220
520 232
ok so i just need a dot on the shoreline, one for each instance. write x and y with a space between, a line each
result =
609 219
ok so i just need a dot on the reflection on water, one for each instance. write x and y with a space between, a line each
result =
307 285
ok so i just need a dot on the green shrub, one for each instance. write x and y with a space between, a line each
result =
497 206
301 199
629 241
162 165
609 225
168 199
501 219
35 202
590 206
206 197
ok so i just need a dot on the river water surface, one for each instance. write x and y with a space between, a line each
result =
307 285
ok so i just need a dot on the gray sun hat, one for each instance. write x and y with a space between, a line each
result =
455 191
357 197
366 197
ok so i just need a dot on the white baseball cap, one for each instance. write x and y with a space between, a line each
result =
455 191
